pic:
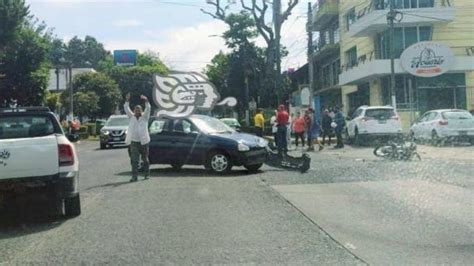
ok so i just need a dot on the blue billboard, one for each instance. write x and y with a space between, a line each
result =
125 57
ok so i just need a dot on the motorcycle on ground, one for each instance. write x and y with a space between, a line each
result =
400 151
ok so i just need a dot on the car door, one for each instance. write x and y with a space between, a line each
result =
417 127
161 136
186 145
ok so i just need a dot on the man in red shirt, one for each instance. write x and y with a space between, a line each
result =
282 123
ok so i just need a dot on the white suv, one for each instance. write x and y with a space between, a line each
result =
374 121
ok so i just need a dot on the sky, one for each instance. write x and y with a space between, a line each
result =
185 38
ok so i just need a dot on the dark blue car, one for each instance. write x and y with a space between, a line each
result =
204 140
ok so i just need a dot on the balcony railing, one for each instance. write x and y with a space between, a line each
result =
324 48
323 12
372 18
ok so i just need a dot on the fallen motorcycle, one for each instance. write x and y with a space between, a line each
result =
401 151
286 161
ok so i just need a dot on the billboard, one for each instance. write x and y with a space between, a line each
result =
125 57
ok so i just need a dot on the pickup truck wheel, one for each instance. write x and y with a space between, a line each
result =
253 167
103 146
72 206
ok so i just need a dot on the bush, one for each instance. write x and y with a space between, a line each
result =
91 128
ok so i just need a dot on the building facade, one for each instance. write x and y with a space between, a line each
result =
365 58
58 78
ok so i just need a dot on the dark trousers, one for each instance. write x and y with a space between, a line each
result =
136 149
326 133
339 138
281 138
299 135
259 131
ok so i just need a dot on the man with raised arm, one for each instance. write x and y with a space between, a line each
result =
138 137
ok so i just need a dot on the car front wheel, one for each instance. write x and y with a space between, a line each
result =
219 162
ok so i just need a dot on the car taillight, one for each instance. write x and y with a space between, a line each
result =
365 119
443 122
66 155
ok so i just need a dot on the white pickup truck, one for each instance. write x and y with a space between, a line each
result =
36 155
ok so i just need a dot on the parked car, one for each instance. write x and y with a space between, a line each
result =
439 126
36 156
114 131
204 140
232 122
374 121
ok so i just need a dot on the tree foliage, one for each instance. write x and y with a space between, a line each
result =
101 85
24 70
86 103
12 16
78 53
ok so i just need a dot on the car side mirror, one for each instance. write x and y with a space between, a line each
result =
73 137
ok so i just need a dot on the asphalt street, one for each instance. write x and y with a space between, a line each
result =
350 208
186 217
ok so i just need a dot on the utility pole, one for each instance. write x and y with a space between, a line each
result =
277 29
309 29
71 93
391 17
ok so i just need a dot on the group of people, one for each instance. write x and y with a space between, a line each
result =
307 128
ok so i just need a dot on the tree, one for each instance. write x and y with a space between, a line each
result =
258 10
24 71
100 84
12 16
53 101
86 103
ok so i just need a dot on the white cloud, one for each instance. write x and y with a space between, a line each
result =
188 48
126 23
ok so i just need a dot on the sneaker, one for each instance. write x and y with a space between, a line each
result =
310 149
134 179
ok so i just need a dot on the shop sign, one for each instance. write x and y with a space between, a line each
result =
427 59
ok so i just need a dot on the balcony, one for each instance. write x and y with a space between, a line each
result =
324 12
368 69
323 50
370 22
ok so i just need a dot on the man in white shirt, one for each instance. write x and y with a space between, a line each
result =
138 137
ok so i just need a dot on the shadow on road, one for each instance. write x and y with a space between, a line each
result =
190 172
26 215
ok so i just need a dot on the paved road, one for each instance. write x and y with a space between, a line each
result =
174 218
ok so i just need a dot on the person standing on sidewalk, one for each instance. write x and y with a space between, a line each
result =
138 137
326 125
259 122
273 122
282 122
315 132
339 122
298 128
308 123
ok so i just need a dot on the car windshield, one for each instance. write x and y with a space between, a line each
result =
211 125
28 126
457 115
117 122
379 113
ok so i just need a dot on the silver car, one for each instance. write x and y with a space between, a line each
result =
114 131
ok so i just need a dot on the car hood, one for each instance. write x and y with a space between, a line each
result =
247 139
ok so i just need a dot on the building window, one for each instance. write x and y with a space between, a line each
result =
403 4
350 17
336 33
403 37
406 98
336 65
351 56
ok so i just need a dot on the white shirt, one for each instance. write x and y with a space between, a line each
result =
274 124
138 128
